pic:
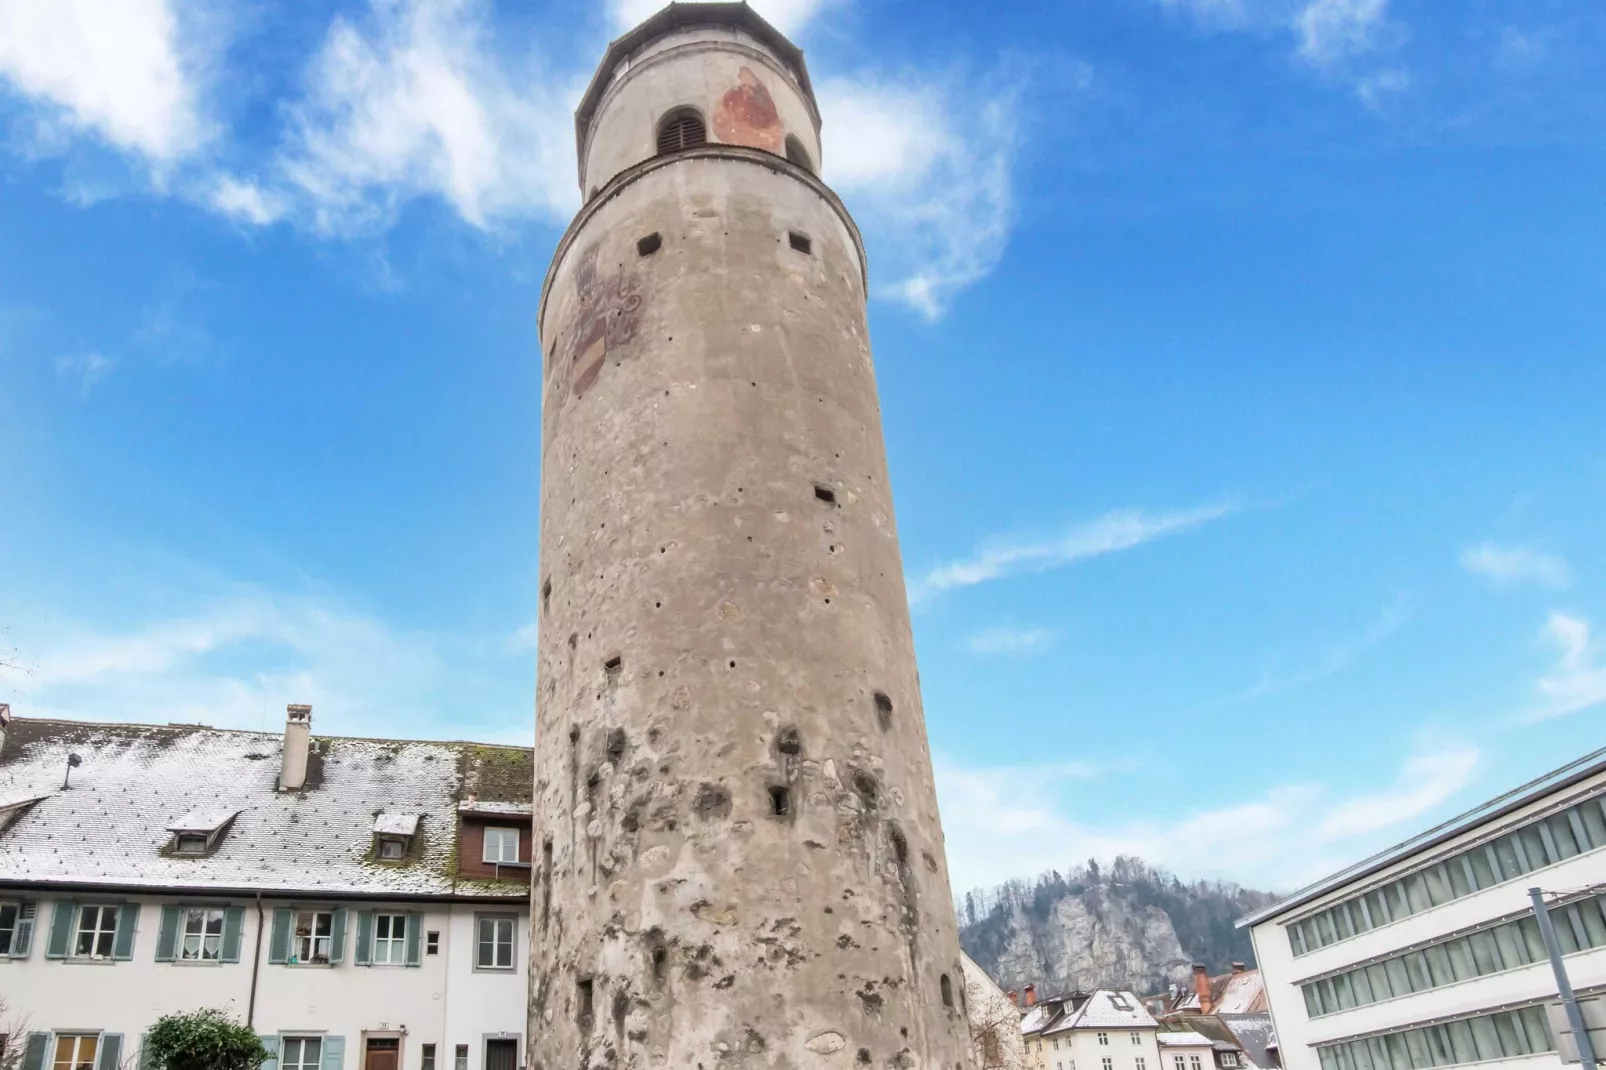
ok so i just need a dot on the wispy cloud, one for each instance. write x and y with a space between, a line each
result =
84 371
1517 564
1001 823
411 101
1334 31
129 73
1011 641
927 168
1112 532
1578 682
1334 660
245 202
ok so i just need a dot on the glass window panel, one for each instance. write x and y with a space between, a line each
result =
1484 952
1361 910
1344 991
1416 888
1416 968
1399 1054
1343 1053
1513 952
1399 902
1460 883
1324 928
1488 1040
1533 845
1341 919
1439 1044
1363 988
1379 908
1594 921
1466 1050
1511 1039
1296 939
1565 936
1561 834
1439 965
1538 1028
1460 951
1329 1057
1378 977
1399 983
1438 885
1532 939
1417 1044
1478 859
1594 821
1380 1053
1313 1006
1505 851
1361 1057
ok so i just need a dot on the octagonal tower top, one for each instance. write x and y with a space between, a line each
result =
696 74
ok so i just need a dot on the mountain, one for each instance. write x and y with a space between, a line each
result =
1126 926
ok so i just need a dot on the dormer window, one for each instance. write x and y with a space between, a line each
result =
393 836
197 833
501 845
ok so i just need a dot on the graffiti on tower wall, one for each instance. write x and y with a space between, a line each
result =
605 316
746 115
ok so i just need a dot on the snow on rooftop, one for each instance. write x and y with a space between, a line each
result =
1184 1040
478 806
109 829
1113 1010
203 820
390 824
12 800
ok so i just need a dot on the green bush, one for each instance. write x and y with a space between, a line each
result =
203 1040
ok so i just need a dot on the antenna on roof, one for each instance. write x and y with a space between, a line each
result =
73 762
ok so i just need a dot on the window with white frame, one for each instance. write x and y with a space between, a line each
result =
460 1058
16 927
1107 1063
390 939
97 932
76 1051
314 930
1138 1063
203 935
300 1053
495 944
1056 1044
1178 1063
1194 1063
427 1060
1137 1038
1229 1058
501 845
1104 1038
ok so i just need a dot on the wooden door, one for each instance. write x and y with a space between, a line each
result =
384 1053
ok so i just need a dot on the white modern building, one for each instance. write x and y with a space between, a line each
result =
1103 1031
362 904
1428 954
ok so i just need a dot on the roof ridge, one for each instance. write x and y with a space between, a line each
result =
196 726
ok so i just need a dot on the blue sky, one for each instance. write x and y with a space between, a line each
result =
1243 365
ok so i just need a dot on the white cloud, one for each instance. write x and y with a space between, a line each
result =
1578 681
412 102
1517 564
1011 641
85 371
926 169
127 71
1109 533
525 639
788 16
245 202
1376 89
1333 31
1014 822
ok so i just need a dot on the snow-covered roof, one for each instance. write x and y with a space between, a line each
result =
12 800
1183 1040
1105 1009
209 820
394 824
110 828
1245 993
481 806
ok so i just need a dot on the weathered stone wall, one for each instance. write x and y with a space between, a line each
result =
740 859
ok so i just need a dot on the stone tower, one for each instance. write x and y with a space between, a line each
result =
739 861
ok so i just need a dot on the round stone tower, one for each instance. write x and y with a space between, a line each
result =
738 856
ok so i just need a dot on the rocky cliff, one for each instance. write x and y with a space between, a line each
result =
1127 926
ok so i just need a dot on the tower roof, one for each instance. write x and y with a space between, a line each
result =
681 16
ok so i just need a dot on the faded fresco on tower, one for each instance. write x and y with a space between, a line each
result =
746 115
606 315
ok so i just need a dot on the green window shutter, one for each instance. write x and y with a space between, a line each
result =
271 1042
334 1052
61 921
415 935
123 943
111 1051
233 926
279 941
337 937
365 935
22 938
167 935
34 1057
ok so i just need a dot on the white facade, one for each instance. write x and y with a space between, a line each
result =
447 1000
1109 1031
1428 954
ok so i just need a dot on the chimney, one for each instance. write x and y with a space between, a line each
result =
297 740
1201 986
1014 997
1237 967
5 719
1031 995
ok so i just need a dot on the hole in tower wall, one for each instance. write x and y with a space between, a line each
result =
780 801
546 884
865 784
650 244
900 845
613 664
800 242
883 710
546 597
947 987
825 493
659 954
789 742
585 1002
616 745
